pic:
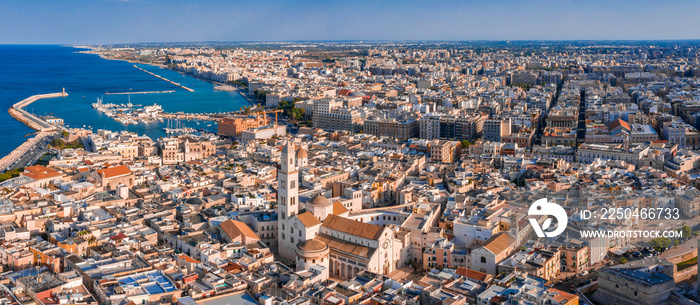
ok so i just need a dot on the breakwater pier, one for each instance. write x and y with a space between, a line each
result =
163 78
139 92
44 128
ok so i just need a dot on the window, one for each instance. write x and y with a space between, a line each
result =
292 184
483 260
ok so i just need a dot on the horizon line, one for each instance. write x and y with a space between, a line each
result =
358 41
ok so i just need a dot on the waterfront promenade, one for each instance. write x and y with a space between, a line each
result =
44 128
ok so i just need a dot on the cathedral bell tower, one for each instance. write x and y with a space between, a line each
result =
287 202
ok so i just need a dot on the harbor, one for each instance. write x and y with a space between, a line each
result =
110 76
163 78
129 113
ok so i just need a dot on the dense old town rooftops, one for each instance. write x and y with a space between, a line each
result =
400 174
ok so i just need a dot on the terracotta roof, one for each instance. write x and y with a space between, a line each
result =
562 297
234 228
115 171
338 208
498 243
231 267
119 236
619 122
352 227
40 172
308 219
344 246
472 274
188 259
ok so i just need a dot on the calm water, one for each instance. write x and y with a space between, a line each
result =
30 70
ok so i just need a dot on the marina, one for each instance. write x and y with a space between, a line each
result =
129 113
104 76
178 127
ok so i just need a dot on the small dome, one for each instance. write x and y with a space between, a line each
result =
312 245
319 200
301 153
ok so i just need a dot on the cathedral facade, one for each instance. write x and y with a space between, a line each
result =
318 232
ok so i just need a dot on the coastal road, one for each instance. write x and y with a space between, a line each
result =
33 154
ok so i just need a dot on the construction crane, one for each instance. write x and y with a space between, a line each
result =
264 112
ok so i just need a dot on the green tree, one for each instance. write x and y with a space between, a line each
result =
465 143
11 174
660 242
623 260
686 231
58 143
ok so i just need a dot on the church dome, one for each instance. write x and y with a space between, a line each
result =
301 153
357 93
319 200
312 245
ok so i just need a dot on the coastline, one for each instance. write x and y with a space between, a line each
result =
43 128
250 99
119 59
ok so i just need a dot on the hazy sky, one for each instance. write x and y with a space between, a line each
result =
123 21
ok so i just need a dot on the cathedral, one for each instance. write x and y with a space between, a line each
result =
320 234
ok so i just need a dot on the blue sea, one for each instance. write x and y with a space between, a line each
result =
27 70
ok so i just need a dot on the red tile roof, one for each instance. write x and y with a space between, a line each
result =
115 171
619 122
119 236
40 172
472 274
234 228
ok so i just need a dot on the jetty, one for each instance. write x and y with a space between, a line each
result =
44 128
163 78
17 111
139 92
